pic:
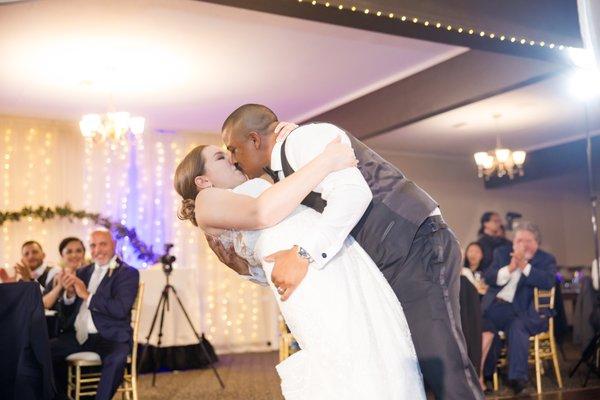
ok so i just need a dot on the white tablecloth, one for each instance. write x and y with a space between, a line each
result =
176 330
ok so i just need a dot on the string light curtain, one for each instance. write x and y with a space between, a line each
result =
49 163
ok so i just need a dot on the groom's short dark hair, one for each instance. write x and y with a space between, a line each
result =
251 117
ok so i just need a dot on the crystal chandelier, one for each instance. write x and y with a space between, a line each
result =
500 161
114 126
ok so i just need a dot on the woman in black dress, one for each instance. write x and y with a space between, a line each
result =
471 289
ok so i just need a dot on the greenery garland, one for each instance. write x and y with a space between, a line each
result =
120 231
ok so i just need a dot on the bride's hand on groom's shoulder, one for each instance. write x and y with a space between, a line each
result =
283 129
228 256
289 270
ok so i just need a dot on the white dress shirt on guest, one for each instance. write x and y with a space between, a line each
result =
39 271
97 276
347 193
467 273
510 281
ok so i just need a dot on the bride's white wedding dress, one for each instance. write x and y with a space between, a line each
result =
347 320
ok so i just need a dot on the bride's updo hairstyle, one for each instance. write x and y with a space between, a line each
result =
189 168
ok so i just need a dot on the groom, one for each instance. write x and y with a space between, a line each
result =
402 230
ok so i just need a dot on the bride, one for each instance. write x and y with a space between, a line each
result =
348 322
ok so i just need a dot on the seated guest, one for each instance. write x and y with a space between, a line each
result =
491 236
472 267
99 315
470 308
508 304
32 268
72 253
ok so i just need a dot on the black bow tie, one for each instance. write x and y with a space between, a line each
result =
272 174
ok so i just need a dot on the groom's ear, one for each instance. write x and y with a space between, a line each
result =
255 138
202 182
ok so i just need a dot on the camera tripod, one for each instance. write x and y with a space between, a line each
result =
167 261
590 358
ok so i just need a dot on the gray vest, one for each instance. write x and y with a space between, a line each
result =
398 208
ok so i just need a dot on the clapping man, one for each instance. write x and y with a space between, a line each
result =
98 299
508 305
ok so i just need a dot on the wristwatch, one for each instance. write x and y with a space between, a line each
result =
304 254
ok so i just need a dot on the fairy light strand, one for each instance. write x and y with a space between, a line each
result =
415 20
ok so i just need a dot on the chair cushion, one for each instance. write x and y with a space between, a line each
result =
84 356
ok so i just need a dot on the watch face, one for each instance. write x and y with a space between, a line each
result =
302 253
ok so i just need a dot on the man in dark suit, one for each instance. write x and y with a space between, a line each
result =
98 317
508 304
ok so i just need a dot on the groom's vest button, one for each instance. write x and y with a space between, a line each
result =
324 255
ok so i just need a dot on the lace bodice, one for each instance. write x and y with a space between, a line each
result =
244 242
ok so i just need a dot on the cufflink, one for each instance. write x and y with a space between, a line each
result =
324 255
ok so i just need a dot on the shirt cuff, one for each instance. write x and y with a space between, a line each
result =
527 270
319 256
68 301
503 276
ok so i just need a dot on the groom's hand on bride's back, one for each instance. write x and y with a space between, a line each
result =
289 270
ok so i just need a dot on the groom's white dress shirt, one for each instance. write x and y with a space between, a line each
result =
347 193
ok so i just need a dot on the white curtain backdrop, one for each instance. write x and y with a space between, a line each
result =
49 163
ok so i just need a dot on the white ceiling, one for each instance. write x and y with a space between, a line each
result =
185 65
532 117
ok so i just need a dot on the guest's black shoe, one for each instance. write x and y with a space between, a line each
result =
518 385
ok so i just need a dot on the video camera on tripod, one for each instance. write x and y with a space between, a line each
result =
168 259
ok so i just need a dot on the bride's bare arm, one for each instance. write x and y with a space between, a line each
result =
223 209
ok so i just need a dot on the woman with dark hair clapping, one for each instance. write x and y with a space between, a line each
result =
72 253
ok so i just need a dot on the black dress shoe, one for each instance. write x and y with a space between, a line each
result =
518 385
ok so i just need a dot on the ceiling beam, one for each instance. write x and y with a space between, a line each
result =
465 79
519 18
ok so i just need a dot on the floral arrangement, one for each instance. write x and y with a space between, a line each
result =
120 231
